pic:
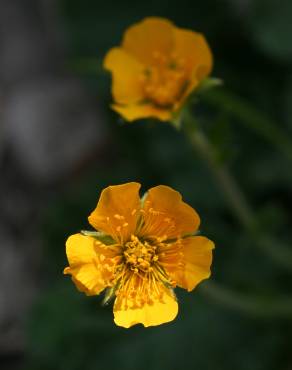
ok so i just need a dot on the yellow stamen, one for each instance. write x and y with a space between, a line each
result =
139 254
165 82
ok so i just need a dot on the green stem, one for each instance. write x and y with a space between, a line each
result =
227 184
251 118
233 195
280 307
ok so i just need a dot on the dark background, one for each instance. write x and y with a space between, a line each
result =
60 145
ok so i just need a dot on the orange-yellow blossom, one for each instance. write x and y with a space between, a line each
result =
144 248
156 68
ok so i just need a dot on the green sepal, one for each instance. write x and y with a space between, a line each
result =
176 120
208 84
98 235
109 294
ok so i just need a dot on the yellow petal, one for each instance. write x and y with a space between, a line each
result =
166 215
193 48
117 211
85 266
197 259
82 288
126 76
139 111
159 312
148 38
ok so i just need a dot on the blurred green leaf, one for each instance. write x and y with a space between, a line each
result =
271 27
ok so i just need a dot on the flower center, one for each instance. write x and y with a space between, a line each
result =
165 82
139 256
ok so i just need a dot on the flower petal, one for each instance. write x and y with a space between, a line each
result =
85 266
148 38
158 312
196 262
126 76
192 47
117 211
139 111
166 215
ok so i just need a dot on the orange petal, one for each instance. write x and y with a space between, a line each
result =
139 111
85 267
197 259
151 37
158 312
166 215
117 211
192 47
82 288
126 76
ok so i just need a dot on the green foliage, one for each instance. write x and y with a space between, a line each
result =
68 330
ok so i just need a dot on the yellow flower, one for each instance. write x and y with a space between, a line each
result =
156 68
143 249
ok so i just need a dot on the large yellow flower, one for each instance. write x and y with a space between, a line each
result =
142 250
156 68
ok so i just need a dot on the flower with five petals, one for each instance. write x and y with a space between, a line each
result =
142 249
157 66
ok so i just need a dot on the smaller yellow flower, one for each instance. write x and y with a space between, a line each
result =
143 248
156 68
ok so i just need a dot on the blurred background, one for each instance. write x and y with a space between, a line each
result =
60 145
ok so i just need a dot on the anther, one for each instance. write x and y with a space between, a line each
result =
119 217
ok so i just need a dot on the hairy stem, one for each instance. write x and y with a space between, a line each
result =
251 118
258 307
235 198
